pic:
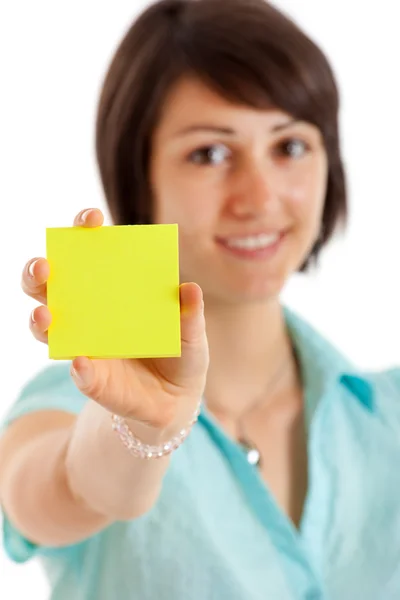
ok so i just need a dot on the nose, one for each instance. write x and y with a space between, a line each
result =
254 191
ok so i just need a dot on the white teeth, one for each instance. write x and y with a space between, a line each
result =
254 242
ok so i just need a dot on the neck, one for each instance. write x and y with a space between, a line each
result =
248 346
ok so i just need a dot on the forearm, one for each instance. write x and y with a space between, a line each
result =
69 482
103 475
36 497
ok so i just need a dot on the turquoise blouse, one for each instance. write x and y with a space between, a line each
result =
216 532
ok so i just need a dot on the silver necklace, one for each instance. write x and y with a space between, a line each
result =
253 454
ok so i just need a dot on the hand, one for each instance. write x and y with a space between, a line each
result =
155 392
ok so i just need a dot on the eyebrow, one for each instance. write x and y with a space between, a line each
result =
228 130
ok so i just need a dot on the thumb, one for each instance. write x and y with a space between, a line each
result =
194 357
192 312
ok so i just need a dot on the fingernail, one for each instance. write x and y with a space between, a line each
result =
30 269
84 215
33 316
78 377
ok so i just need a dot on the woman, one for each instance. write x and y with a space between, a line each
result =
221 116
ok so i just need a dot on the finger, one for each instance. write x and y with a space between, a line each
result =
94 378
83 374
194 347
39 323
192 312
34 279
89 217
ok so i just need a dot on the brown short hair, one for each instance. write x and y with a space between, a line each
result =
247 51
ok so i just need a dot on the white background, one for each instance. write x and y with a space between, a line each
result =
53 56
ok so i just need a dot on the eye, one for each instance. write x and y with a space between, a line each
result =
293 148
210 155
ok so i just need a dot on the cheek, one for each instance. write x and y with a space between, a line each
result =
305 202
189 204
306 196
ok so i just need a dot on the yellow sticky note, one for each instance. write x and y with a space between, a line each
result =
113 292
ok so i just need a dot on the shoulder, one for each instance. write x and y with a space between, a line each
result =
391 377
385 383
51 388
384 392
323 364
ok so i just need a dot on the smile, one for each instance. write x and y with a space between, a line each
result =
260 246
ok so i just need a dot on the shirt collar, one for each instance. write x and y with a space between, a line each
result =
323 366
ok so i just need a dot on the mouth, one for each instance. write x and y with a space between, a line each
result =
260 246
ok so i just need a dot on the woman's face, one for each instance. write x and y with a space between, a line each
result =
246 187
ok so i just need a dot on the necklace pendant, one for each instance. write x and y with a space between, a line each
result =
253 454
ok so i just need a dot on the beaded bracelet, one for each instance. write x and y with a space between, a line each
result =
145 451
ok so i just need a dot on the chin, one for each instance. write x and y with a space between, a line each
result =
251 293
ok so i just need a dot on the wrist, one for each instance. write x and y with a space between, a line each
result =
146 442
